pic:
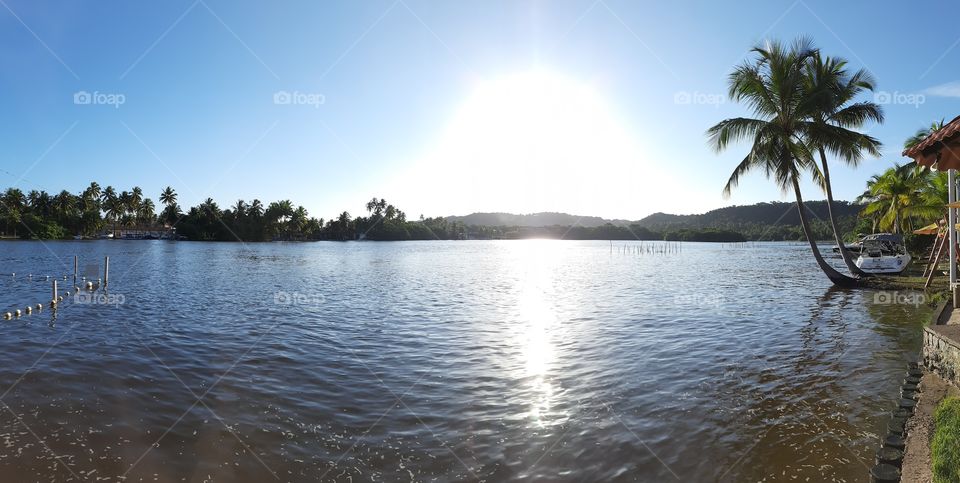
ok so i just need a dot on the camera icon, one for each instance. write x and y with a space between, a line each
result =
282 97
82 97
682 97
882 97
882 298
282 298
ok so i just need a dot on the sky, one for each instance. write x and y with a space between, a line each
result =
595 107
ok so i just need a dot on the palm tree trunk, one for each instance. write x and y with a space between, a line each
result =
844 253
836 277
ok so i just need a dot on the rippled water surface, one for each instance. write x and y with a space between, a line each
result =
446 361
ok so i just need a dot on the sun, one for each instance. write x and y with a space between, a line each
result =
529 142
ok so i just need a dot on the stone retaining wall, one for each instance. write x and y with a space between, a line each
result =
941 351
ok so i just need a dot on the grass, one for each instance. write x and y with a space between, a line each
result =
946 442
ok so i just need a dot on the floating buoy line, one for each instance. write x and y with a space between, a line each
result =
58 297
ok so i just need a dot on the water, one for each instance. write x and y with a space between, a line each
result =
445 361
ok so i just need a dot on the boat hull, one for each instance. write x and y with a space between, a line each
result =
887 264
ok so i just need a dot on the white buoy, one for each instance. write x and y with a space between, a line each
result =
7 316
17 313
39 307
28 310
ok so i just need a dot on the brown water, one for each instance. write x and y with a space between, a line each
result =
445 361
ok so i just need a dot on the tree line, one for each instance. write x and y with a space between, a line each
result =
39 215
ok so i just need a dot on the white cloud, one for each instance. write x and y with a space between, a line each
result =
950 89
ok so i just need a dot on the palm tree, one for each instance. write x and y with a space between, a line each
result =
171 214
298 219
256 209
146 214
110 202
831 91
168 196
373 206
922 134
240 209
773 87
210 208
125 207
903 195
14 203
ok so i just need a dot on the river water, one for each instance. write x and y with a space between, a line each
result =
445 361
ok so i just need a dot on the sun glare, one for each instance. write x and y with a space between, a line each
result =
534 141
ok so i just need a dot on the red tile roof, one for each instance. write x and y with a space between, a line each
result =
941 148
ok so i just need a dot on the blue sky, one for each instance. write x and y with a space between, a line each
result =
427 103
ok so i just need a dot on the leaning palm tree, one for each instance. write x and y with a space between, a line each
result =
830 95
773 87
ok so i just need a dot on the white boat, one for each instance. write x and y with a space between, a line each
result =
883 253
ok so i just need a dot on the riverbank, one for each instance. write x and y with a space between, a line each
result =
941 361
917 459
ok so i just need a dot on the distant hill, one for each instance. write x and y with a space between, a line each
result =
761 221
773 213
532 220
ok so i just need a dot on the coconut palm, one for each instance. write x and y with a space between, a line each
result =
240 209
146 214
108 194
298 219
168 196
14 204
922 134
374 206
772 85
831 90
902 197
256 209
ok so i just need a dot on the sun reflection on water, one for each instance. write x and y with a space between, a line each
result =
537 323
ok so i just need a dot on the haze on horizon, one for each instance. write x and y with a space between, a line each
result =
583 107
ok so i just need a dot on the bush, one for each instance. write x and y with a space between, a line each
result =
918 245
946 442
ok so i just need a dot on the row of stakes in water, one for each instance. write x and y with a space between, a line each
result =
29 309
662 248
890 455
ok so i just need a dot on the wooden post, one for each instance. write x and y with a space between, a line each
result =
936 253
952 230
936 261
